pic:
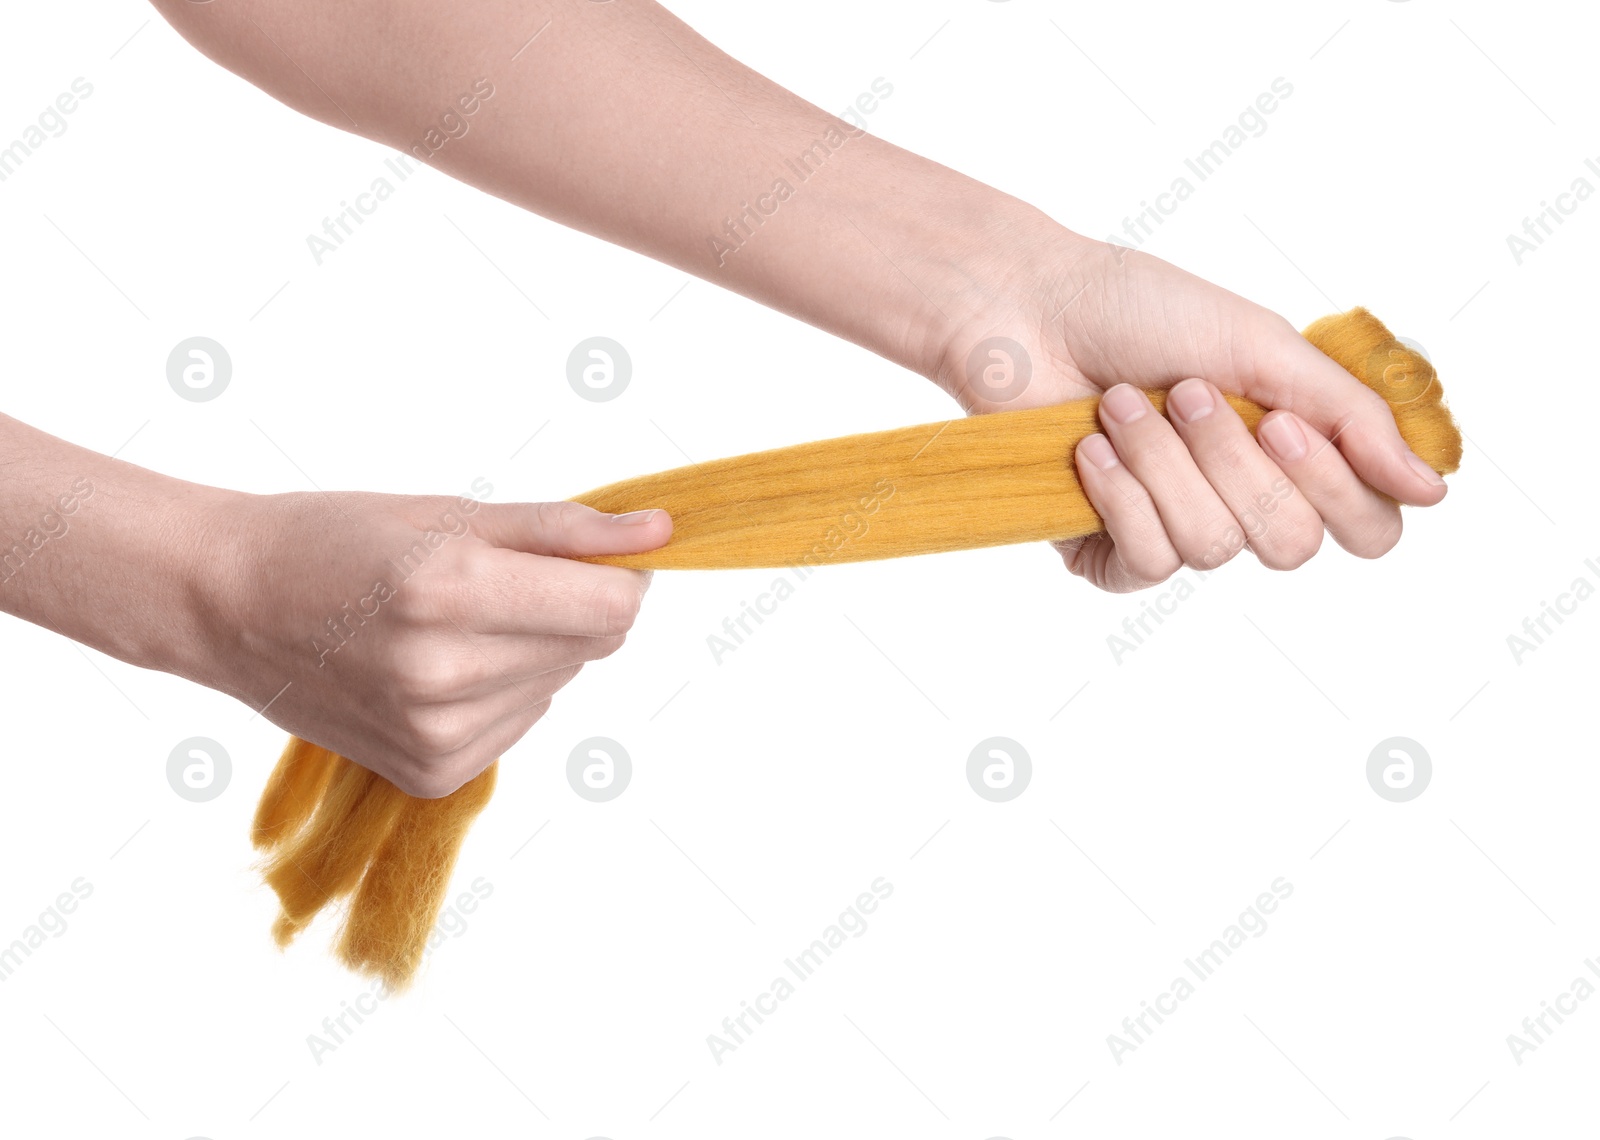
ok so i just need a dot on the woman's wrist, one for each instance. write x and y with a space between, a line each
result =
1006 269
914 256
205 559
157 571
100 550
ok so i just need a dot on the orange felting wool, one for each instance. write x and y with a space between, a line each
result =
332 829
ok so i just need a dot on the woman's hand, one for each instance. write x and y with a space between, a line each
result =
419 636
1084 318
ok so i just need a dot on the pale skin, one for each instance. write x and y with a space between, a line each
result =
431 679
619 120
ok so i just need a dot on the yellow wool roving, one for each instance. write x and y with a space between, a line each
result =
332 830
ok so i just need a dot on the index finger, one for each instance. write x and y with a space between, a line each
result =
513 592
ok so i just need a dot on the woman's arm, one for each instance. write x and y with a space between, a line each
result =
618 119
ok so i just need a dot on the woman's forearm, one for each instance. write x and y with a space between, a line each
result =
619 120
105 552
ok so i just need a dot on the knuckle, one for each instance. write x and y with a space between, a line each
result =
425 597
1371 401
613 608
1325 482
602 647
1150 445
423 672
1153 566
1366 407
427 783
412 675
559 679
471 568
535 714
557 516
1210 559
1292 550
1228 450
1226 542
433 732
1378 539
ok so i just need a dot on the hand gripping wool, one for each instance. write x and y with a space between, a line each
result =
331 830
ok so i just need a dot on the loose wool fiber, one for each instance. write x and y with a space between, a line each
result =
333 830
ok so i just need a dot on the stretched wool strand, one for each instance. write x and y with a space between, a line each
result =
335 828
980 481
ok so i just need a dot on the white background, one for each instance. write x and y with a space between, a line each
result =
769 790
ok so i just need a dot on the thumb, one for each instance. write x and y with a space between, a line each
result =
570 530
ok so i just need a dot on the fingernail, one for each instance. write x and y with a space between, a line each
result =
1190 401
1124 403
1100 452
1429 475
1284 437
635 518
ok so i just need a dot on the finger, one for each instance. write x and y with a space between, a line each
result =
482 665
1190 510
1135 551
1361 520
432 733
569 530
510 592
1273 518
1290 373
445 774
510 695
1251 351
